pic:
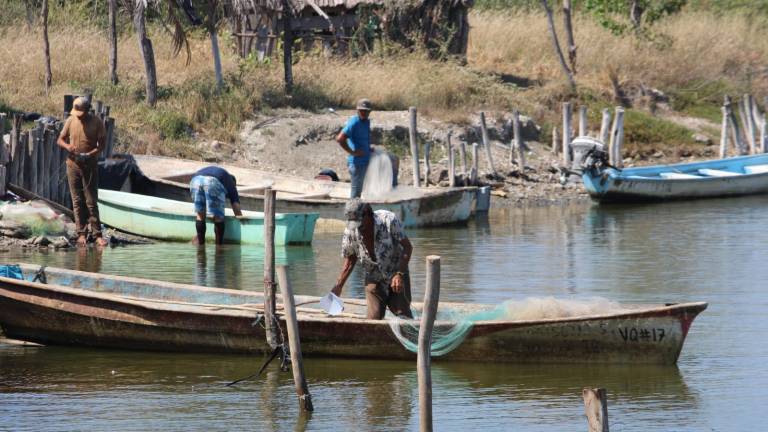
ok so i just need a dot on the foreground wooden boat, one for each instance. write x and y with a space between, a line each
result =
416 208
175 220
78 308
744 175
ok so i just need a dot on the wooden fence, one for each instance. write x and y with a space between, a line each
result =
33 165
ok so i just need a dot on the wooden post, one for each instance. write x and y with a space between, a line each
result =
412 136
519 143
763 134
423 361
745 108
451 164
487 144
582 120
617 138
3 148
724 133
475 166
463 157
15 150
110 144
555 140
55 170
292 326
3 188
269 267
22 167
605 126
31 177
596 409
427 163
42 137
734 127
567 134
45 187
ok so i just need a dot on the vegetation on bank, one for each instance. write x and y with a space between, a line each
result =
701 53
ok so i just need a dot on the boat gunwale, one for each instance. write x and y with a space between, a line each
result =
651 310
278 216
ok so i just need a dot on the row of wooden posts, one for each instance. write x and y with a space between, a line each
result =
747 134
468 174
32 162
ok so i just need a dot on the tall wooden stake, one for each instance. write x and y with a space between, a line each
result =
617 138
463 157
724 132
412 136
292 325
745 109
451 164
475 166
596 409
427 163
582 121
567 130
736 134
763 136
555 140
487 144
519 142
270 323
605 126
423 361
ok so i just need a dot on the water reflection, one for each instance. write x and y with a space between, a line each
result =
88 259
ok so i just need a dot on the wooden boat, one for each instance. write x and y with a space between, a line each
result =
737 176
420 207
166 219
78 308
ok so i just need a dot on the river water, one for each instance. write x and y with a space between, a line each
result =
712 251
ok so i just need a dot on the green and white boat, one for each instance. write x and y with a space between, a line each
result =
165 219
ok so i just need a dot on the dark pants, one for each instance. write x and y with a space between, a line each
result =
83 179
379 296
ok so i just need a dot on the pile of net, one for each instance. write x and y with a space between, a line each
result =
453 325
36 216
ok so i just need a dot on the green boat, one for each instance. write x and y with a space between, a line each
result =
165 219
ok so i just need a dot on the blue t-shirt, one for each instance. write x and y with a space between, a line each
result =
358 132
225 178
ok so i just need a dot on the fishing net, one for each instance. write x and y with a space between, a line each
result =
453 325
378 176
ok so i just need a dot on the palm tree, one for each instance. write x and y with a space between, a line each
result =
147 53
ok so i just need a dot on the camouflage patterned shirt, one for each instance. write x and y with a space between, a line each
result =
388 232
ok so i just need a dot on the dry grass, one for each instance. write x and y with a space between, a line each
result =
701 48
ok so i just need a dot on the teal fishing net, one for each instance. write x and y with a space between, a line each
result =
453 325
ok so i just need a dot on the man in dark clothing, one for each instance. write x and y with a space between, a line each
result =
83 137
210 187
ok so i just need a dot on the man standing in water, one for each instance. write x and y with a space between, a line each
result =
377 240
355 139
210 187
83 137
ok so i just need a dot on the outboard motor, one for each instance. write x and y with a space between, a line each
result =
588 153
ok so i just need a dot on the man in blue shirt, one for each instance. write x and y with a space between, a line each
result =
355 139
210 187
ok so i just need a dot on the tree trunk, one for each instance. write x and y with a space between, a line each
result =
215 44
635 13
113 41
46 49
147 54
556 44
287 47
567 15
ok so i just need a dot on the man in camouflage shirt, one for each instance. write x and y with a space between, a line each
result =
377 240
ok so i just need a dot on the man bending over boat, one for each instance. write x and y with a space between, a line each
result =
378 241
209 188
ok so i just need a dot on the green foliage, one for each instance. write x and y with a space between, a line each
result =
643 128
170 124
616 15
700 99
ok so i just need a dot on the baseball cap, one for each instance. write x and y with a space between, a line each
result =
354 211
364 105
80 106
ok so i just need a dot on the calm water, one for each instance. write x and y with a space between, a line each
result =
703 251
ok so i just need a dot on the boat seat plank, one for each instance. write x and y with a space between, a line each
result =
718 173
756 169
677 176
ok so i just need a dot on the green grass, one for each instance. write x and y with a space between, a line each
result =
643 128
701 99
